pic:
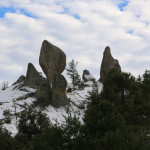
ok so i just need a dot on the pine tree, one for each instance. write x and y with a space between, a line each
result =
32 122
6 141
73 73
50 139
113 119
146 83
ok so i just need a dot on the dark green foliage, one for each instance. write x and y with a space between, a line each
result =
119 86
7 115
71 130
118 118
6 112
115 118
6 141
146 86
146 82
32 122
50 139
81 85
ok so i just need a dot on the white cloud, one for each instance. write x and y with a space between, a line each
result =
14 68
81 28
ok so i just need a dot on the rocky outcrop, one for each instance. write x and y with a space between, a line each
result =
33 78
59 95
53 62
53 89
44 94
108 63
86 76
20 80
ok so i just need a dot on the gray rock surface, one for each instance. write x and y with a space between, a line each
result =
59 97
108 63
20 80
52 60
33 78
44 94
86 76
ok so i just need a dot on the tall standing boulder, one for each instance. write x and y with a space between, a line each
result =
108 63
53 62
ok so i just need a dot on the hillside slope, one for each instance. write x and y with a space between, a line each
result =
11 98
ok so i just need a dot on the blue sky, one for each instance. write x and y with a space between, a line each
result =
4 10
81 28
123 4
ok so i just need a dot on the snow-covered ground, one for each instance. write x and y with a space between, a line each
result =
8 96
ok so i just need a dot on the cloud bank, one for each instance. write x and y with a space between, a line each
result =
81 28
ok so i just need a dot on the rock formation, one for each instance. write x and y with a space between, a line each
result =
33 78
44 94
86 76
108 63
20 80
59 97
53 62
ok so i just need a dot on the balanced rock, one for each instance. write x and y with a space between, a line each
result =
52 60
33 78
86 76
59 97
108 63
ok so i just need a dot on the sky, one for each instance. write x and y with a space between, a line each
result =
81 28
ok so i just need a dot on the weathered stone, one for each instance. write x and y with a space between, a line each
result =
59 97
108 63
86 76
52 60
33 78
20 80
43 94
117 66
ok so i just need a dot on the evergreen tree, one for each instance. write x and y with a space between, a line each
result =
146 84
32 122
71 131
113 119
50 139
6 141
73 73
145 104
119 86
62 137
